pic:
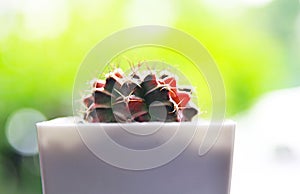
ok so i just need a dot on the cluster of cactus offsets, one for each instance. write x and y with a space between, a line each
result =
138 99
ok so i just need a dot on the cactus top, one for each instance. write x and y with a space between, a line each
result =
135 99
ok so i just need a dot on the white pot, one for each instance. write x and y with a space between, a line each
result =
76 159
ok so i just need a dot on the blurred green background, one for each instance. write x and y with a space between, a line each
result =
42 43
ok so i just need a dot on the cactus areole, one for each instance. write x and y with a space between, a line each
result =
136 98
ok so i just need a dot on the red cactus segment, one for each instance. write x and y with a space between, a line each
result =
149 82
88 101
174 96
183 99
99 84
137 106
171 81
118 73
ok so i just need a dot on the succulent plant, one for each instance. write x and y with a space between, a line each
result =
138 99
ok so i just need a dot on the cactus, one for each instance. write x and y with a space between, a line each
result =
136 99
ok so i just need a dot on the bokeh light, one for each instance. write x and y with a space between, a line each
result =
231 4
143 12
21 130
44 18
8 13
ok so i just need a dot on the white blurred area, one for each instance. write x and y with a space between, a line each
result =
21 131
267 146
145 12
41 19
233 7
237 3
44 18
